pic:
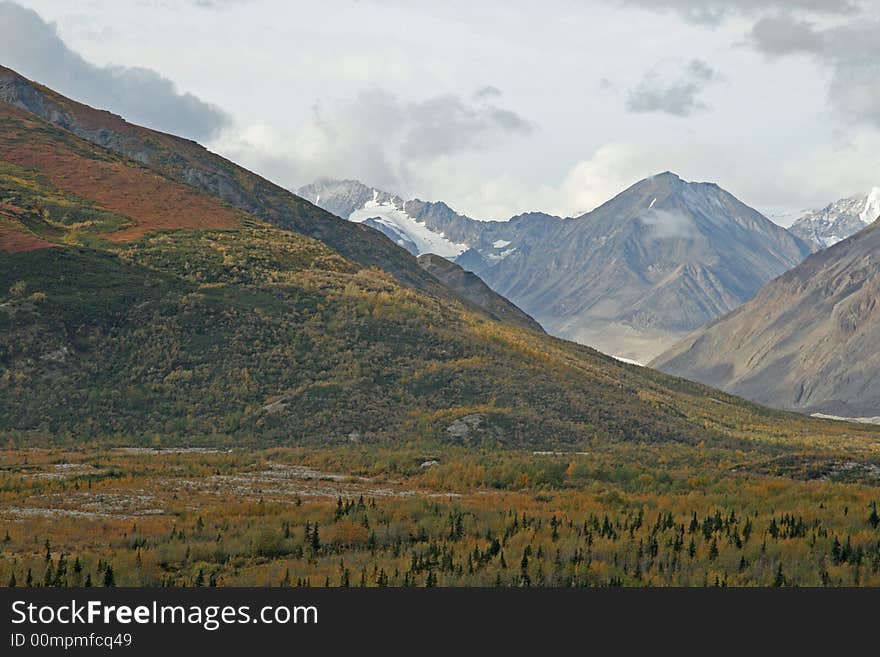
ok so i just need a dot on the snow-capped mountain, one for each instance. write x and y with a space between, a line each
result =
838 221
629 278
385 212
428 226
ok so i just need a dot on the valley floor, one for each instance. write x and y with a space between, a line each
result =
367 515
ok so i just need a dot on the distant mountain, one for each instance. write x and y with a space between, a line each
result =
422 229
645 268
807 342
386 213
629 278
837 221
423 226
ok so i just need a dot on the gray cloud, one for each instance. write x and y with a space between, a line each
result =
713 12
447 124
487 92
672 89
379 138
32 47
850 50
440 125
780 35
212 5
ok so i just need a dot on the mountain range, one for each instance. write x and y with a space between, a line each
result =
151 290
629 278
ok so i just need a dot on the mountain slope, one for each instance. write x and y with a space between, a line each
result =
475 290
129 315
139 200
838 220
807 341
191 164
645 268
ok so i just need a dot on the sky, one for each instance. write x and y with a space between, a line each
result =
497 107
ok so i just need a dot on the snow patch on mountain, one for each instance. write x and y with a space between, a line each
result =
390 213
872 207
839 220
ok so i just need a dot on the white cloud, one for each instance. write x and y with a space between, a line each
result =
586 184
823 174
663 225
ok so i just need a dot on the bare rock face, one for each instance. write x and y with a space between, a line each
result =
463 427
807 342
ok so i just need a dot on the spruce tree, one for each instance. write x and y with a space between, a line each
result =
49 576
109 578
779 580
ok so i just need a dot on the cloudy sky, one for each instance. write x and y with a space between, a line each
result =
496 107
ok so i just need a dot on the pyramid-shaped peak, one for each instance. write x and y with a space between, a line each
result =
666 175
